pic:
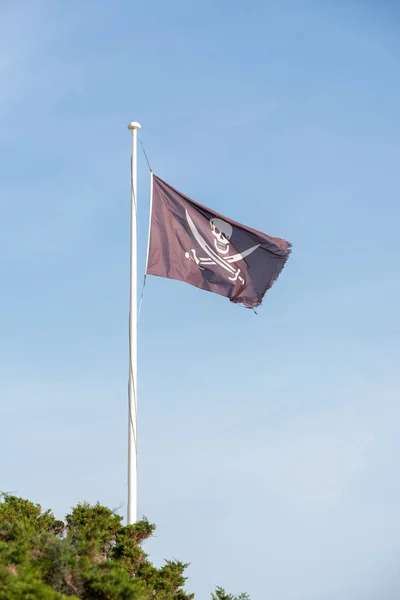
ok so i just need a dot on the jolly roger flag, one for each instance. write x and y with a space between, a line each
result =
192 243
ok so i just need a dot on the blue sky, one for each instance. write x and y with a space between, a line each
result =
268 443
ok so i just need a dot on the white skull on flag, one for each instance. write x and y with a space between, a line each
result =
222 232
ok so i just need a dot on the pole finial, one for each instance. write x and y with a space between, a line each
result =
133 125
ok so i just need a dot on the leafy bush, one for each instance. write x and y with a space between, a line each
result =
92 556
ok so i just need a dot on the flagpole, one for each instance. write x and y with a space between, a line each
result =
132 386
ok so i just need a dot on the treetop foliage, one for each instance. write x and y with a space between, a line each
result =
90 556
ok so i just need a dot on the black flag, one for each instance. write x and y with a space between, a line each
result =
192 243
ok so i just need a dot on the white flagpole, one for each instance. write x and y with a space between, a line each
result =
132 387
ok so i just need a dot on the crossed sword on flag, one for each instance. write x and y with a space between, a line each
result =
214 258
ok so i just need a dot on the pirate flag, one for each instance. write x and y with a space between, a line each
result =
192 243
